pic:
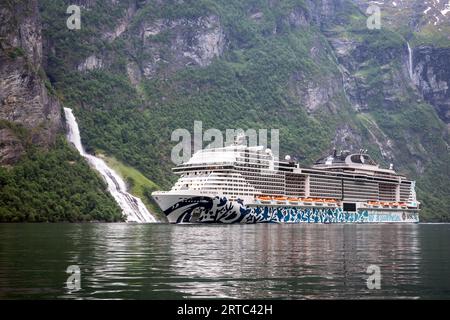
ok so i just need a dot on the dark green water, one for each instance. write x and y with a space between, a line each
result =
123 261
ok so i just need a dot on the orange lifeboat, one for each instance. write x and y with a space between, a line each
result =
330 202
307 201
319 202
375 203
264 198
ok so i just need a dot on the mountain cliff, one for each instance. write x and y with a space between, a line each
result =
24 97
41 178
137 70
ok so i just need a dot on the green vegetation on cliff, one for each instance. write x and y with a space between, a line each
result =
276 64
54 186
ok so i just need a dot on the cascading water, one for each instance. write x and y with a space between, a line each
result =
132 207
410 63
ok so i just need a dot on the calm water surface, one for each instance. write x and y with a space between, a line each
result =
123 261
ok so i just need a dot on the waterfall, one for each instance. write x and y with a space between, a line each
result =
410 63
132 207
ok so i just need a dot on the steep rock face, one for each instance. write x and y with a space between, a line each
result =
11 147
296 18
24 98
323 12
175 44
362 67
426 25
315 94
432 76
123 23
411 14
346 138
378 86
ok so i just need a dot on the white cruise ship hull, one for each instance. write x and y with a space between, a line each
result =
196 208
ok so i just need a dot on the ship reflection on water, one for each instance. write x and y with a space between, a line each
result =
299 262
132 261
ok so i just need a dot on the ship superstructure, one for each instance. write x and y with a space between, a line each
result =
240 184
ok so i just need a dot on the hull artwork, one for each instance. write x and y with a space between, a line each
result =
203 209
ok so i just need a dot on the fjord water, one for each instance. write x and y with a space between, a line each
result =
159 261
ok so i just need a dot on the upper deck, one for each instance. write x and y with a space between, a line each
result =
263 159
239 171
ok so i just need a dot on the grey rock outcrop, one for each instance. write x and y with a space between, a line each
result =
431 75
190 42
24 97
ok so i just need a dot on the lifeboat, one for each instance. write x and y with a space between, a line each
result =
264 199
330 202
395 204
308 201
375 204
280 199
319 202
293 200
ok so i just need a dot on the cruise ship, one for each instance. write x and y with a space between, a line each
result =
242 184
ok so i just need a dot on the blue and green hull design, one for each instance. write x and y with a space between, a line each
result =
201 209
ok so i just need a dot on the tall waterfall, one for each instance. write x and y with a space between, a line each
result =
132 207
410 62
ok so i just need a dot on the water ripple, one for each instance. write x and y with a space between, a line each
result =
122 261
